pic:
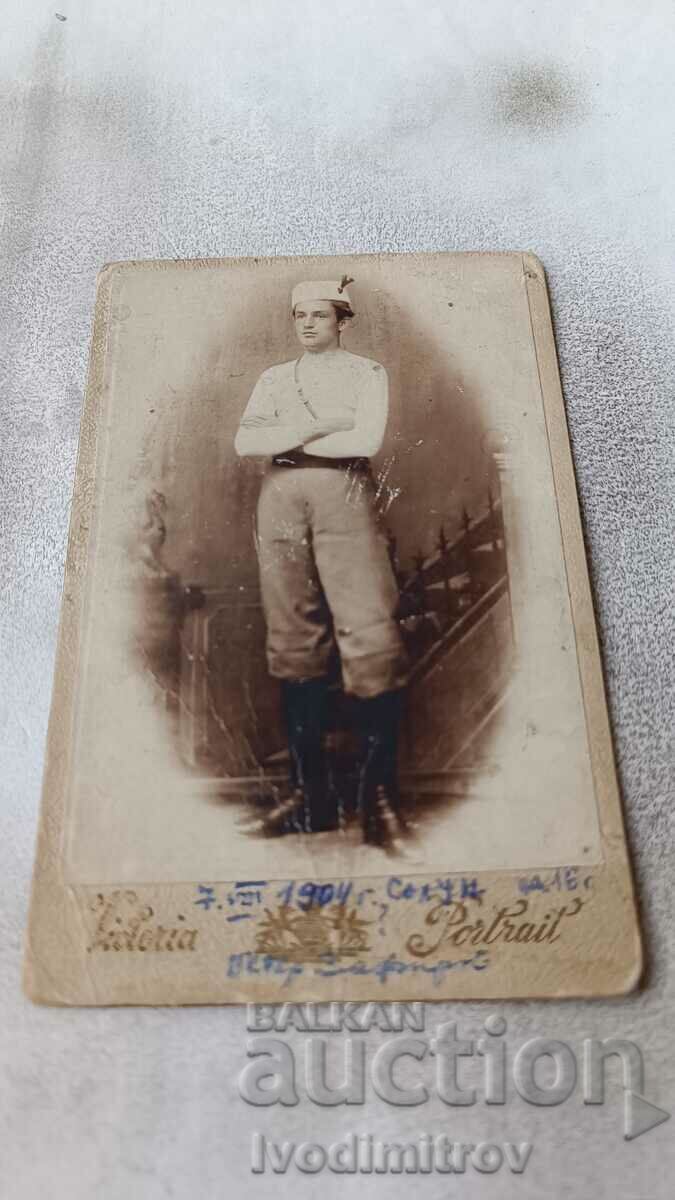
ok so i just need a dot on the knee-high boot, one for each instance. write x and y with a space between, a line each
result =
379 720
311 805
305 710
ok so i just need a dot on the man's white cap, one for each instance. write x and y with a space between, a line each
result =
323 289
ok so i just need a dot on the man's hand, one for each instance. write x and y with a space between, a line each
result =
325 426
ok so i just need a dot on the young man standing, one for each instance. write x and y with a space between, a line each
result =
325 573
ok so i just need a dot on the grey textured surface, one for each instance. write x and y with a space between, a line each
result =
189 130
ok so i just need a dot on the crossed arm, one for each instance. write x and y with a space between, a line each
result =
262 433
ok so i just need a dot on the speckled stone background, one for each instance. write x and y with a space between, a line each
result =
213 128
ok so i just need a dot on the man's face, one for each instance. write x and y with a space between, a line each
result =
316 325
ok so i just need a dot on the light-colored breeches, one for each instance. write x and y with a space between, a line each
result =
320 548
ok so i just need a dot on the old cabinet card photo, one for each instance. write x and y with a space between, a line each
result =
328 718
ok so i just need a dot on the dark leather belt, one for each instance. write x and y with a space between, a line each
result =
294 459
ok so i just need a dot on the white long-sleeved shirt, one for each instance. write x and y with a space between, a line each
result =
287 398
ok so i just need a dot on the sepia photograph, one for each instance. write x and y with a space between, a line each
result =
328 623
338 562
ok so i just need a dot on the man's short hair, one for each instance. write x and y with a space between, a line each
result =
343 312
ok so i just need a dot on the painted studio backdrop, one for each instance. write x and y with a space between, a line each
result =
176 672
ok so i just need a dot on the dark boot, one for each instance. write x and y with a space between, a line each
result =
312 806
287 816
379 720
